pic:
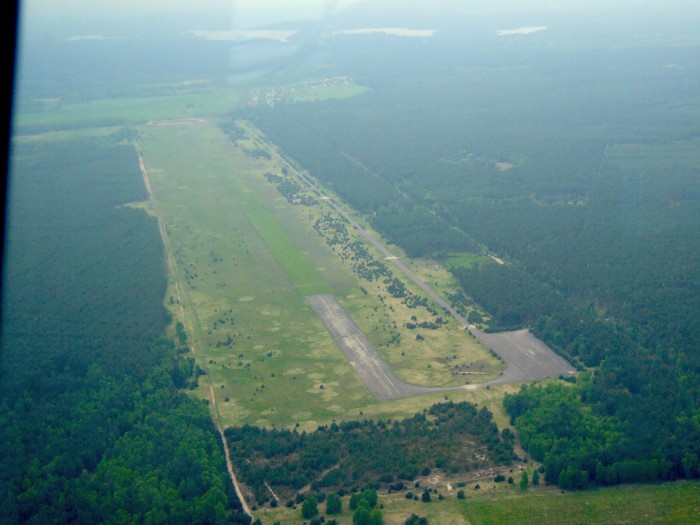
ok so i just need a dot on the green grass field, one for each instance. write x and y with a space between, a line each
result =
672 503
136 110
131 110
668 504
245 259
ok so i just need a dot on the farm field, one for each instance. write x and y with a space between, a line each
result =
202 101
130 110
245 260
500 504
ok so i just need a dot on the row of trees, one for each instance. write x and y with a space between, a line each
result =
364 506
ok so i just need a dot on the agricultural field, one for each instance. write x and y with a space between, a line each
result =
502 503
244 260
129 110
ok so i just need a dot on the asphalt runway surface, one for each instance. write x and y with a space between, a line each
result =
374 372
526 357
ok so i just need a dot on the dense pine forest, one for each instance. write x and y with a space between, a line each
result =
92 426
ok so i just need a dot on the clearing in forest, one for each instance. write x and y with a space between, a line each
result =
250 237
246 254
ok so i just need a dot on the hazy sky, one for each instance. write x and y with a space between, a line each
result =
239 13
86 15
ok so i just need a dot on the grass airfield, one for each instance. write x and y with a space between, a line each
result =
214 200
244 261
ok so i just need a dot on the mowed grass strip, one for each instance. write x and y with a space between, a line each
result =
296 264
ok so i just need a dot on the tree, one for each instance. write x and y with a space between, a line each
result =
416 520
361 516
460 494
334 504
355 498
523 481
425 497
375 517
309 508
535 478
370 495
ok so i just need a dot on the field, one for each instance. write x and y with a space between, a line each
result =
201 101
244 262
500 504
130 110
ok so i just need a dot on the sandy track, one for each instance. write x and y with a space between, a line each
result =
227 454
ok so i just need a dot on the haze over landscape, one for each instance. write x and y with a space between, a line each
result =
353 262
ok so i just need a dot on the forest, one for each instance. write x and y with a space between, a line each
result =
585 180
571 155
89 407
452 437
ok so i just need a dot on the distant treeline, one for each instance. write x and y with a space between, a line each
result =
93 428
586 188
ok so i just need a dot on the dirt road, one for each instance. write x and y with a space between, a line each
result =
229 463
